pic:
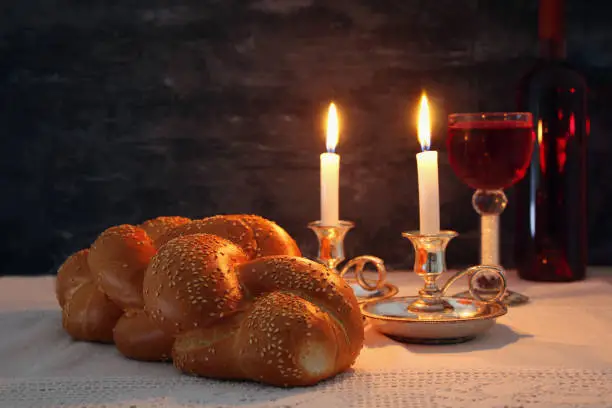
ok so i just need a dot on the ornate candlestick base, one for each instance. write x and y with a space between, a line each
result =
431 317
331 254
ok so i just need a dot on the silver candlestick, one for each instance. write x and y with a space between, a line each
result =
331 254
431 317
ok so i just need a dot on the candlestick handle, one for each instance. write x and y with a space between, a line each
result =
359 263
474 274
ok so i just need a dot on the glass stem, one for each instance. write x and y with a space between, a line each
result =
489 241
489 204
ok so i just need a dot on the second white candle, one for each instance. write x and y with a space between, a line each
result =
429 201
330 172
330 184
427 168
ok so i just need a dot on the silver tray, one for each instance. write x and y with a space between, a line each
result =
467 319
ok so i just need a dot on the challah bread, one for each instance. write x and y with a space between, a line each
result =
157 227
223 297
118 259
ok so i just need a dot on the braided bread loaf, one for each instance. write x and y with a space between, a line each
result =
223 297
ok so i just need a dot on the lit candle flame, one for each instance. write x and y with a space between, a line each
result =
332 128
424 124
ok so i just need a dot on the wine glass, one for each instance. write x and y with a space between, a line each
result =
490 152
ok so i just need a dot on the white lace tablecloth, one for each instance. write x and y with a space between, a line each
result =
554 352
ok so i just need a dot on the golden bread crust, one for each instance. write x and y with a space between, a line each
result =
223 297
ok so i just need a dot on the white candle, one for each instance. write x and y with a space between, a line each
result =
330 172
427 166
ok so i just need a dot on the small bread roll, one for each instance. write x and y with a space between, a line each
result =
298 324
234 230
118 259
73 273
191 283
89 315
210 352
270 238
314 282
137 337
288 341
283 340
257 236
157 227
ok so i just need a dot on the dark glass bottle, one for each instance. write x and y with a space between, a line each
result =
551 236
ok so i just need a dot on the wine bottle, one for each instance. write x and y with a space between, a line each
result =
550 235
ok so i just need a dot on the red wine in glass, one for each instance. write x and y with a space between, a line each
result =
490 155
490 152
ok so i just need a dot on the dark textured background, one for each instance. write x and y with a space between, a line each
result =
118 111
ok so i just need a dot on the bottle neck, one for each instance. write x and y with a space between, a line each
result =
551 29
552 49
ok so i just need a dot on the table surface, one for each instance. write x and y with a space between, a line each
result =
555 351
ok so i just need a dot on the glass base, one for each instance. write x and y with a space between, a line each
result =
509 299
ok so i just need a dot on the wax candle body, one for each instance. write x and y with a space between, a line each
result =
330 176
429 201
